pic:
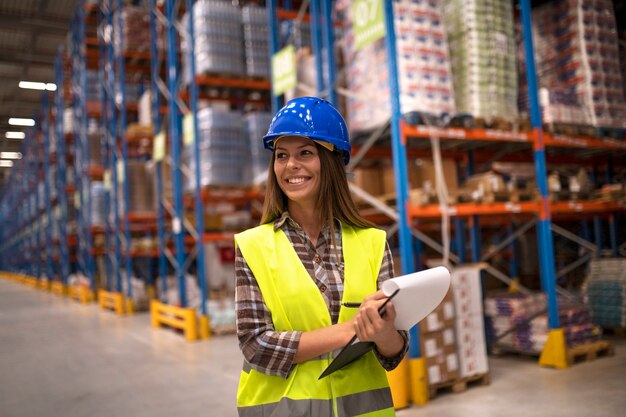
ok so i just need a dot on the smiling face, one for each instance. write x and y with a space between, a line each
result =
297 169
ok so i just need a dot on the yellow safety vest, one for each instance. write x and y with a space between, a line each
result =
295 302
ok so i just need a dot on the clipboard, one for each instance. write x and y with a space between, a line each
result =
354 349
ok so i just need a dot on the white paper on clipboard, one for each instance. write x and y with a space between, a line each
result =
420 293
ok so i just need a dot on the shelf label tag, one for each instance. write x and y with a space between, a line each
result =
176 225
188 136
106 176
158 151
120 171
284 70
369 23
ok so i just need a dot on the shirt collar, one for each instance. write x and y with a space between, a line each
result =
285 219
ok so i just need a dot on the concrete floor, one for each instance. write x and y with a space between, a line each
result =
61 358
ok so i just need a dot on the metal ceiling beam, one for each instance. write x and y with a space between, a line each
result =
45 23
17 56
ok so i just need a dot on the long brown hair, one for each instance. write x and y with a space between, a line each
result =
334 199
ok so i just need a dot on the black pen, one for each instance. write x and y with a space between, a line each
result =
351 305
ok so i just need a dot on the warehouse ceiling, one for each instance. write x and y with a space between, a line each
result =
31 32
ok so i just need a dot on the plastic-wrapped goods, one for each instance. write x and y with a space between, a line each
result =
299 34
578 65
98 206
135 35
525 313
94 90
141 190
481 39
606 291
218 38
95 149
256 41
256 127
224 149
423 65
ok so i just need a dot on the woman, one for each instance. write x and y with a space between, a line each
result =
311 253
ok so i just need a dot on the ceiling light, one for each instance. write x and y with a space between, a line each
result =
31 85
10 155
6 164
14 135
16 121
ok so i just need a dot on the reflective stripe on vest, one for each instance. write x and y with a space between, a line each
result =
295 303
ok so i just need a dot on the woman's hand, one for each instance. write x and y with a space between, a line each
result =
369 325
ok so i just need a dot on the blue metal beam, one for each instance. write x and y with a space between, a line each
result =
544 233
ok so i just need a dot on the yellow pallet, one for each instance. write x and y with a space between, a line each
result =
115 301
80 293
58 288
184 319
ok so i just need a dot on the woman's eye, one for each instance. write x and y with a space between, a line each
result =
306 152
281 155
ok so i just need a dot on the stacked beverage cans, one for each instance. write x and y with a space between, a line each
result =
256 35
481 39
224 149
256 127
423 65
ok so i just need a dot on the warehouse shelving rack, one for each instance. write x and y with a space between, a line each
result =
63 188
409 219
180 259
82 58
117 65
188 240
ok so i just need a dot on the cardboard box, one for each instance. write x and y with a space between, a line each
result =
472 349
442 317
467 289
369 179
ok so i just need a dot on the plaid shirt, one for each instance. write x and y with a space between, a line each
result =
271 352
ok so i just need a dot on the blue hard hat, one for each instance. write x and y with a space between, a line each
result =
311 117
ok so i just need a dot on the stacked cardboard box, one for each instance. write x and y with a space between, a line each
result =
470 330
482 54
438 343
423 65
578 66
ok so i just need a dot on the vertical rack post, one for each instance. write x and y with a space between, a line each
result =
48 222
103 76
175 139
61 161
122 164
199 205
156 121
398 150
329 41
274 44
554 352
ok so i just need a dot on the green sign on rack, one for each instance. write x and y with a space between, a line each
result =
369 23
284 70
120 171
158 148
188 136
106 176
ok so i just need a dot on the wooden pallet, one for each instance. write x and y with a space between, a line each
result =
614 331
589 352
459 385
